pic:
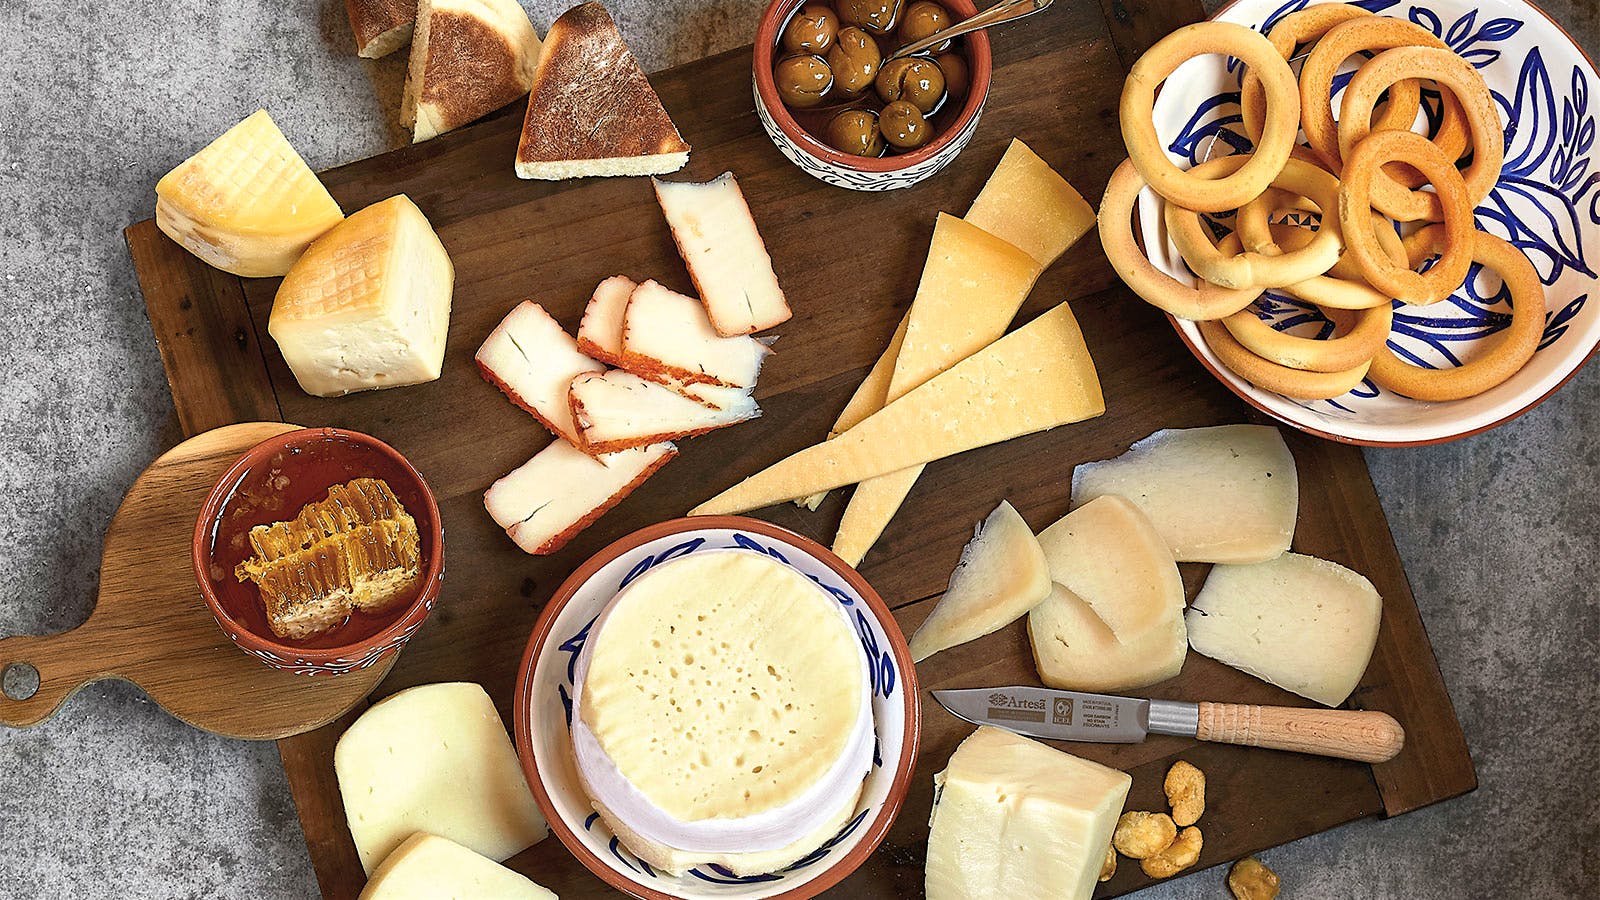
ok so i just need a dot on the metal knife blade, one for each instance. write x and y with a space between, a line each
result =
1067 715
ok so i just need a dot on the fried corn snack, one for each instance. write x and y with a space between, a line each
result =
1181 854
1186 793
1250 879
1109 867
1140 835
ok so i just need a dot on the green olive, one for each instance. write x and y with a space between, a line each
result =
802 80
925 18
855 131
876 16
812 30
854 60
954 67
903 126
918 80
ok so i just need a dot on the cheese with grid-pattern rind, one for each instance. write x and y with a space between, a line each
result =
533 361
1108 553
429 867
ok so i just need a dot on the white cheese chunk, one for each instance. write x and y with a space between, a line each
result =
1107 553
600 332
1304 624
429 867
435 758
1016 819
667 337
618 410
533 360
1001 575
717 238
1073 648
562 490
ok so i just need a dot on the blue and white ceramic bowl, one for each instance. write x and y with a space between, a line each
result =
544 707
1547 202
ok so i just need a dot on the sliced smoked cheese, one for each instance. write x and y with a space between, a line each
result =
246 203
1108 553
1036 378
368 305
618 410
592 111
1304 624
380 26
600 332
436 759
667 337
468 59
547 500
1226 494
1073 649
717 238
1017 819
871 395
1001 575
1026 203
429 867
533 360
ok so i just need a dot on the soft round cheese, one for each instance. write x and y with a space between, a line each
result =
723 707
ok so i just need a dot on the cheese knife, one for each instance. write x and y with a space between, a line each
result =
1364 735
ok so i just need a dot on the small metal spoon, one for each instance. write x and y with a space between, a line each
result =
1005 11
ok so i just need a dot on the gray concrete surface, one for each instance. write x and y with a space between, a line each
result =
114 798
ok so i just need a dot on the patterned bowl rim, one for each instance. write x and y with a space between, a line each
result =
876 830
1582 358
395 634
980 61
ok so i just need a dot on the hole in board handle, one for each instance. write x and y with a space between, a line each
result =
19 681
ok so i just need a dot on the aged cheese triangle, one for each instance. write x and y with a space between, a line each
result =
468 59
1028 204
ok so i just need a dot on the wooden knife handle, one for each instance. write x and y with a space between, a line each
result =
1368 736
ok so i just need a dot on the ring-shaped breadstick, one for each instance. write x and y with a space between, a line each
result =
1271 152
1355 212
1451 72
1343 287
1156 287
1510 351
1268 375
1360 341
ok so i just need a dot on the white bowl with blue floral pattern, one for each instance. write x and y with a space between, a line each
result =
1547 202
544 709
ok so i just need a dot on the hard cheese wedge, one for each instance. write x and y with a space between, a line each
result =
667 337
1304 624
972 285
1014 818
1074 649
1038 377
368 305
547 500
468 59
600 332
1056 215
717 238
380 26
533 360
429 867
618 410
1001 575
437 759
246 203
1225 494
1108 553
871 395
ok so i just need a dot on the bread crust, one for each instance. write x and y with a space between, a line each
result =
380 27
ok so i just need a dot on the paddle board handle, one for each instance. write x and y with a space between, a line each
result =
39 673
1364 735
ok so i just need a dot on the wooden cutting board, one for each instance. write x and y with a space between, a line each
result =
850 264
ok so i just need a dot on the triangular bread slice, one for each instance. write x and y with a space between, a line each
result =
592 111
468 59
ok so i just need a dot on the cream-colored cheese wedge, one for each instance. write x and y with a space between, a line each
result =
1304 624
1017 819
547 500
1026 203
246 203
600 332
618 410
871 395
437 759
718 240
368 305
1226 494
1073 649
1038 377
380 27
1001 575
1107 553
666 336
972 285
429 867
534 361
468 59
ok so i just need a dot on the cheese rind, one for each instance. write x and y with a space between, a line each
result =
1304 624
1107 553
468 59
437 759
380 27
618 410
1015 818
600 332
429 867
718 240
547 500
1073 649
1226 494
1027 204
1001 575
533 361
667 337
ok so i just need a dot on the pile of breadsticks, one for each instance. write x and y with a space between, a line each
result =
1361 172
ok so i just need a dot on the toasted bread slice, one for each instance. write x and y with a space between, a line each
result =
560 491
717 238
618 410
667 337
380 26
531 359
592 111
600 332
468 59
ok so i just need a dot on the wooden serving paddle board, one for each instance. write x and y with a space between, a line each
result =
850 264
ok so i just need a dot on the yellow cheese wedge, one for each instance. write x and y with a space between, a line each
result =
1036 378
1108 553
246 203
1027 203
429 867
871 395
1017 819
1073 648
1001 575
368 305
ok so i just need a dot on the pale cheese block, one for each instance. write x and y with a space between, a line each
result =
246 203
1017 819
618 410
1036 378
871 395
562 490
1108 553
380 26
436 759
667 336
1073 648
1001 575
368 305
718 240
468 59
429 867
533 360
972 285
1304 624
600 332
1028 204
1226 494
